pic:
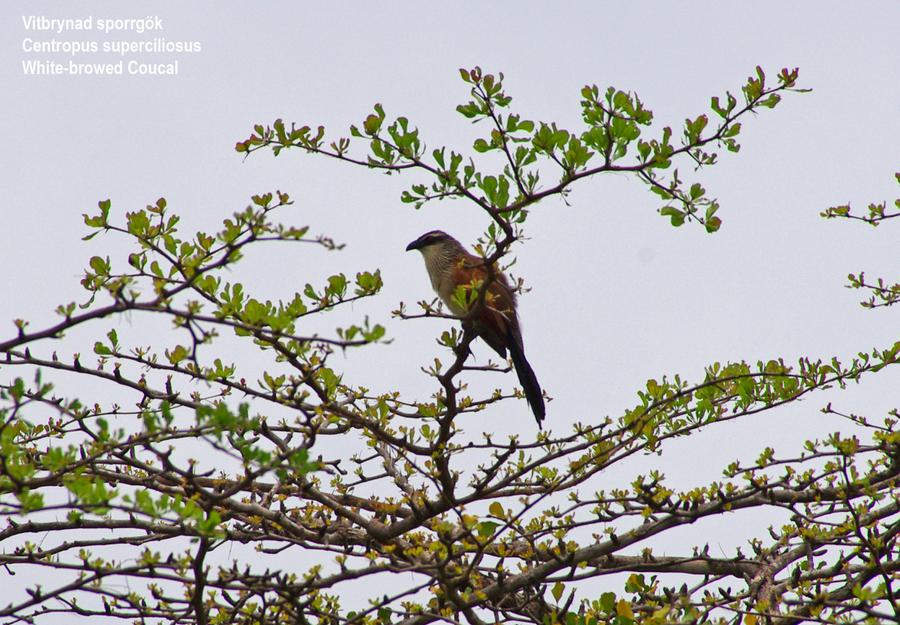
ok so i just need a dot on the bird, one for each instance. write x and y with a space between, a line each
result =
495 321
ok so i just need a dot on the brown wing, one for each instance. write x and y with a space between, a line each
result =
495 321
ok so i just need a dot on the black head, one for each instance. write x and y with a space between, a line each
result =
429 238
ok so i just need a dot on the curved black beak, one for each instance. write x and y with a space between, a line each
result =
429 238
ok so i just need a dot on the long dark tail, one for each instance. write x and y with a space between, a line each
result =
527 379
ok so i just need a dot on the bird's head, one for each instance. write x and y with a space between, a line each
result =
434 237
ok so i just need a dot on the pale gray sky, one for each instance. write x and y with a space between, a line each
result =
618 295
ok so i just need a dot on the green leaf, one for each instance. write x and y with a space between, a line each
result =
676 216
558 590
608 602
100 265
177 354
138 223
486 528
30 501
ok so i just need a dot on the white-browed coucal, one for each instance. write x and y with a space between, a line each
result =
495 320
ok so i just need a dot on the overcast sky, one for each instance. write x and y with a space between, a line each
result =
618 295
